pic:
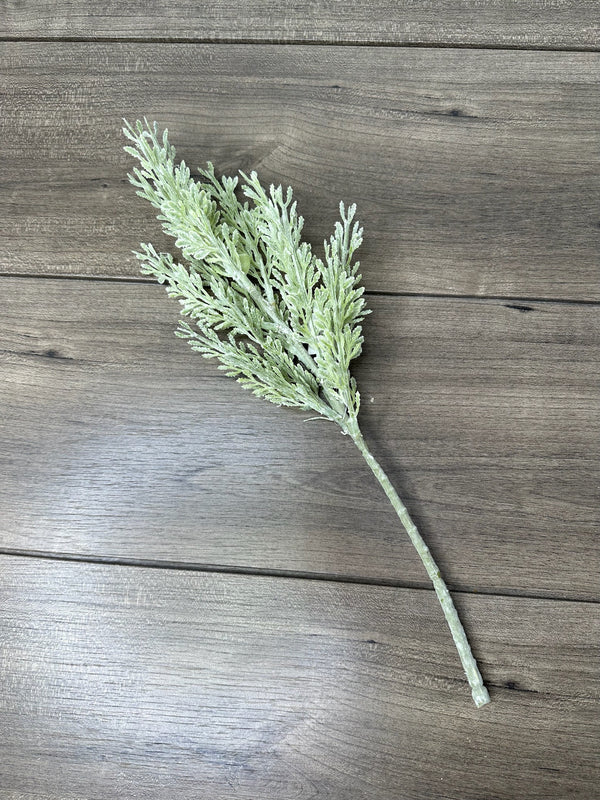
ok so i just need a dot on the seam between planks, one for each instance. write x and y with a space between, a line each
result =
306 42
265 572
368 292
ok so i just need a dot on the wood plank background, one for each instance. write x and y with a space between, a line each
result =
190 683
120 444
202 595
515 23
475 171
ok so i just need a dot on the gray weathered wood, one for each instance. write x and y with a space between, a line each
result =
154 684
118 440
518 23
475 172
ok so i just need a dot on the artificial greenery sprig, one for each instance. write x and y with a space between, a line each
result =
282 321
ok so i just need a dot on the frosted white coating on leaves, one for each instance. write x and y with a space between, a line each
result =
282 321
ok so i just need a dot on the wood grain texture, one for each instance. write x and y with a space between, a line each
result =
475 172
118 440
153 684
518 23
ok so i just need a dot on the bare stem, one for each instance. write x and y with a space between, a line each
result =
478 690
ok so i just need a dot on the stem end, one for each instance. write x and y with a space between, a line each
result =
480 696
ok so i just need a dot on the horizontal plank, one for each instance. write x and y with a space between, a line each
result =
520 23
118 440
157 684
475 172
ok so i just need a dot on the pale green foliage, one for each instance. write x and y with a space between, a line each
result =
285 323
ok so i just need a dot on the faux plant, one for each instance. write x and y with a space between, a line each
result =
282 321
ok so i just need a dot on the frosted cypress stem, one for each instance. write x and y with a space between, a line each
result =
478 690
